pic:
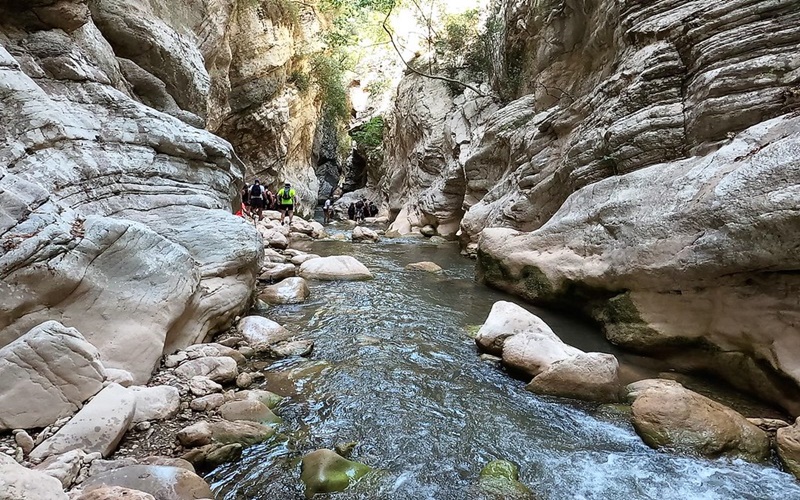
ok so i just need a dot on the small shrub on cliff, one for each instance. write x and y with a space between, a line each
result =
369 138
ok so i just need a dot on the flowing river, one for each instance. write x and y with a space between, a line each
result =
395 371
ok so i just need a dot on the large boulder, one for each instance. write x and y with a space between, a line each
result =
249 410
20 483
98 427
288 291
505 320
324 471
47 373
161 481
337 268
674 417
590 376
261 332
365 235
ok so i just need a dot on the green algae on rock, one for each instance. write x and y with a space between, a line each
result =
500 479
324 471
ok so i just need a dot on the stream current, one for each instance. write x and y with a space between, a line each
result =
394 370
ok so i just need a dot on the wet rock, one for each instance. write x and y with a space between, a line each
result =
218 369
261 332
64 467
156 403
675 417
590 376
47 373
244 380
270 399
163 482
249 410
115 493
787 441
224 432
365 235
207 403
288 291
324 471
429 267
273 273
213 455
20 483
500 479
344 268
203 386
99 426
292 349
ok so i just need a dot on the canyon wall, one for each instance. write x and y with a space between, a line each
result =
644 170
115 195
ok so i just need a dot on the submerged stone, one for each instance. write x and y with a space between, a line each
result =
324 471
500 479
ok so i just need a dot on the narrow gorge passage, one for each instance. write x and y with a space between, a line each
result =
395 371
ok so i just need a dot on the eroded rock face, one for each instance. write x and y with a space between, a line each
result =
643 152
47 373
90 237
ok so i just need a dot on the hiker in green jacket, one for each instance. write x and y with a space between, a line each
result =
287 198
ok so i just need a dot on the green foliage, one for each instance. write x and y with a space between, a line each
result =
301 80
378 87
327 72
370 134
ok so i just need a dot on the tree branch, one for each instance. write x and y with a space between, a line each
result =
385 26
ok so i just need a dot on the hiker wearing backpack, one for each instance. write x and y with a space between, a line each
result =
287 198
257 200
245 194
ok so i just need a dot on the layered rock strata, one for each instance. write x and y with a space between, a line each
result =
116 215
646 169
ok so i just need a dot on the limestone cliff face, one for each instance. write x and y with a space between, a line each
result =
646 171
230 63
115 209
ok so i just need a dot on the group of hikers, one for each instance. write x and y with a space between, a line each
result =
360 210
256 198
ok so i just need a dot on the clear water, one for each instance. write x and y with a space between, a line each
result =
394 370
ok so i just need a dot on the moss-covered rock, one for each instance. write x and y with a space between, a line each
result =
500 479
324 471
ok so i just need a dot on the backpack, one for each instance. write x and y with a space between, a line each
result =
285 195
256 191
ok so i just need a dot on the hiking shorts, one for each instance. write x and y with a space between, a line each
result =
257 202
286 207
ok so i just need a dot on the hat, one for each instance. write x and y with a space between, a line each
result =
287 184
256 181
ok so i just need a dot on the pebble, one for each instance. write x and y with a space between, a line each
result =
143 426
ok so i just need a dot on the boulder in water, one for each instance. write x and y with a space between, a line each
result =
341 267
500 479
324 471
288 291
365 235
429 267
675 417
590 376
250 410
276 272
